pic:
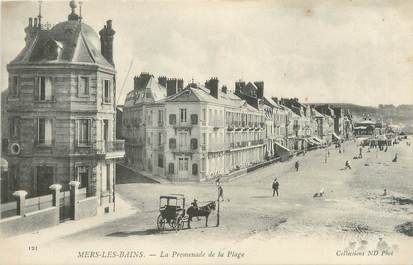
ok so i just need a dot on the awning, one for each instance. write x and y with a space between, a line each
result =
314 142
316 139
283 147
336 136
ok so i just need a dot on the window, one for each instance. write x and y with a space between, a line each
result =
183 141
194 169
204 138
44 131
44 92
171 168
203 114
14 87
203 164
83 131
160 140
83 86
172 143
14 128
194 119
160 117
160 160
82 175
44 178
183 164
172 119
108 177
106 91
194 144
105 130
183 115
105 177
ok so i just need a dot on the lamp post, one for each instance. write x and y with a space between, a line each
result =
218 208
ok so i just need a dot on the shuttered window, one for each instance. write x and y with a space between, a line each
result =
172 143
83 132
44 89
194 119
172 119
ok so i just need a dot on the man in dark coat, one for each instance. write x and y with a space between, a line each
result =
297 165
275 186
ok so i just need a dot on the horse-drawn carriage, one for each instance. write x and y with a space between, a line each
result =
172 212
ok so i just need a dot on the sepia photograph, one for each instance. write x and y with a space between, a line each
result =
206 132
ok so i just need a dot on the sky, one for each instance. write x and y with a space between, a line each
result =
357 52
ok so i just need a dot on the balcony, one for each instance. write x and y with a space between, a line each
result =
159 147
216 124
183 126
244 144
216 148
110 149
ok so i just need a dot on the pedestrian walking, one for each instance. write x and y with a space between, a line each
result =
347 165
220 192
218 181
275 186
297 165
360 153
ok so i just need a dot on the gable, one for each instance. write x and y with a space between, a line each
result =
186 95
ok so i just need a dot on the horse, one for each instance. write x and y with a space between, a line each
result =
201 211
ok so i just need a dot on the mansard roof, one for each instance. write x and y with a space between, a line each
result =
199 93
149 91
73 42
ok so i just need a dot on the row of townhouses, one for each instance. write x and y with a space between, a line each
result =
200 131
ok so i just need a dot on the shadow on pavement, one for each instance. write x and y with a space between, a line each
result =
135 233
153 231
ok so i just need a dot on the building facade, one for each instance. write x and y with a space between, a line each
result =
192 133
62 110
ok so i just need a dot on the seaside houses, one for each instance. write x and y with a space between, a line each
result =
192 133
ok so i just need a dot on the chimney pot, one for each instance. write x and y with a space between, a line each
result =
30 22
260 88
212 85
162 80
35 22
171 86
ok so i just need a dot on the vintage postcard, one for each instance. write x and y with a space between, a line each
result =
206 132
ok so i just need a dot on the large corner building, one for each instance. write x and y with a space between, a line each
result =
62 109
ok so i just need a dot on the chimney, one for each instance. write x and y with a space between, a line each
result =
171 86
162 80
180 85
212 85
239 86
224 89
30 31
35 22
106 41
142 80
260 89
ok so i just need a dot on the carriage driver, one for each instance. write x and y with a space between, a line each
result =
195 205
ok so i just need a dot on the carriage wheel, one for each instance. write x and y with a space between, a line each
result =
179 223
161 223
174 224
